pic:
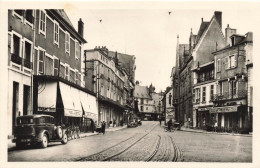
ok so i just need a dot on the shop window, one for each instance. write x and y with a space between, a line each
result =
41 60
42 22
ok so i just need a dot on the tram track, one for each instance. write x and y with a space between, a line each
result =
117 149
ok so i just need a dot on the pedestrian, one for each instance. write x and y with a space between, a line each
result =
169 124
103 127
160 121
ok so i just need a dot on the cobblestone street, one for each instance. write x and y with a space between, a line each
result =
148 142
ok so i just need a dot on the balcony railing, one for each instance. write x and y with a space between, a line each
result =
205 79
16 59
27 63
228 95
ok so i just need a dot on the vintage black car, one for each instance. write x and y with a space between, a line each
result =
38 130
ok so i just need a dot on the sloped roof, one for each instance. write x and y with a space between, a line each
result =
202 28
63 14
141 92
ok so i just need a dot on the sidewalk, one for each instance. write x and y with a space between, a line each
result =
209 132
82 135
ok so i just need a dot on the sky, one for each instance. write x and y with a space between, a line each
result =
151 33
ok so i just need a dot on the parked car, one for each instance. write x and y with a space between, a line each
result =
38 130
132 124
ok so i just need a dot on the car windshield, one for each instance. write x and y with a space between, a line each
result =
24 121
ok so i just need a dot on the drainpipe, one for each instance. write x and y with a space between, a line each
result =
33 52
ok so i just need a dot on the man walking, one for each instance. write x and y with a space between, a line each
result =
103 127
160 121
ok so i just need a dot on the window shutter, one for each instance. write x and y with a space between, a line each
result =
235 60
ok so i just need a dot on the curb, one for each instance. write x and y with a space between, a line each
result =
245 135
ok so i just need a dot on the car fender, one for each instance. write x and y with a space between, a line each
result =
42 133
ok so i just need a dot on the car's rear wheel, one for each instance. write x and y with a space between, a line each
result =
59 132
44 142
64 139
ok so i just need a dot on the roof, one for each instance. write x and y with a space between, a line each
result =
142 92
203 27
247 38
168 89
63 14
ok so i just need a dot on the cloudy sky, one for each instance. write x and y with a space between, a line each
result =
149 32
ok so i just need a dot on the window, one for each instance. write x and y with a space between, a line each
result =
211 92
232 41
218 65
233 88
147 101
77 51
231 61
198 95
67 42
146 108
29 16
56 67
16 45
193 95
142 101
42 22
77 77
203 94
67 72
41 59
220 88
142 108
19 12
56 33
27 54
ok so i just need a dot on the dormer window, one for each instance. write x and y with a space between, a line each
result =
232 41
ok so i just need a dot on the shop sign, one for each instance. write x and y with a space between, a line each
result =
46 109
148 115
203 109
72 113
224 109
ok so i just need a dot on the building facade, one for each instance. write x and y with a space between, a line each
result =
46 50
232 106
112 85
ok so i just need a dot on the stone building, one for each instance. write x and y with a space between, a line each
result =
169 108
233 70
209 39
111 83
45 53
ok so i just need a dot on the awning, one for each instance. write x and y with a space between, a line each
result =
47 96
71 100
89 105
227 109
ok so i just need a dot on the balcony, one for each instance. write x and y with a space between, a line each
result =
230 96
27 63
16 59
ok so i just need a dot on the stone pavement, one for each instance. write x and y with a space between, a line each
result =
82 135
210 132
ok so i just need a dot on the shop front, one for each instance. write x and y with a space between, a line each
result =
70 105
231 118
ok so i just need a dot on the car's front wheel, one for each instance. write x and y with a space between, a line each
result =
44 142
64 139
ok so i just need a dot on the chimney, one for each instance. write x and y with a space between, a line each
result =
229 32
201 20
218 16
81 27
